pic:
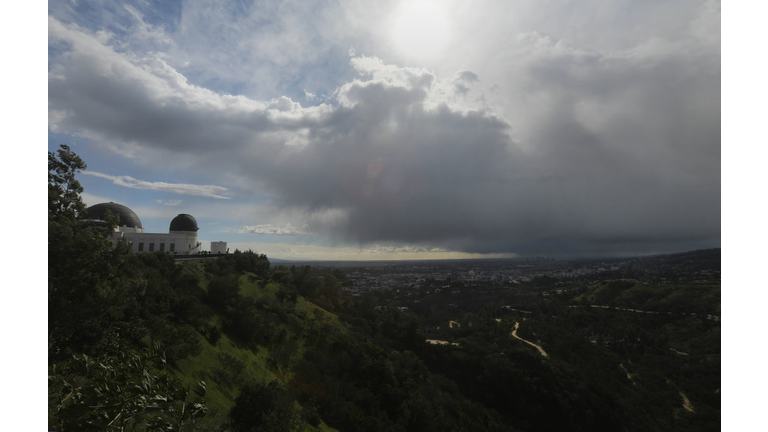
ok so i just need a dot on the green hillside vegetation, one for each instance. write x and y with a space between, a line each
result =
140 342
231 343
699 298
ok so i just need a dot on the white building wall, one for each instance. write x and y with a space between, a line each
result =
218 247
183 242
127 229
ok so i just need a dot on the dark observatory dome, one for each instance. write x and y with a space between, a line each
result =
127 216
183 222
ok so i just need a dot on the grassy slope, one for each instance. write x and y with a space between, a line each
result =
221 396
700 298
250 286
696 371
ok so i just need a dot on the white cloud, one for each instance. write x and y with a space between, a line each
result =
169 203
269 229
179 188
379 249
313 252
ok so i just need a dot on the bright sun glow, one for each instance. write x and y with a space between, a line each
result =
420 28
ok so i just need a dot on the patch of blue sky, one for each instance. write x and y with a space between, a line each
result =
56 48
56 139
96 161
166 13
221 86
91 16
162 224
86 14
95 157
115 16
240 8
321 78
212 233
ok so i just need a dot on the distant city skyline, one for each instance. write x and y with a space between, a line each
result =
410 130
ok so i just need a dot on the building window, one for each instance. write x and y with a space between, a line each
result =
173 247
152 247
162 247
141 247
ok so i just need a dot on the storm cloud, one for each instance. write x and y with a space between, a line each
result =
568 150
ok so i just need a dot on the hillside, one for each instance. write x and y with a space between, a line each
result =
232 330
141 342
243 327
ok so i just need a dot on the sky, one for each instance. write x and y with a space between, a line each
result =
386 130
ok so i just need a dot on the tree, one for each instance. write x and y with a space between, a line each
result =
282 275
330 293
305 282
264 408
224 291
82 262
64 203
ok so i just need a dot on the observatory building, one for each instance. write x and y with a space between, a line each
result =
219 247
181 238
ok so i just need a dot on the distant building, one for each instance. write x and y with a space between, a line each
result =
219 247
181 238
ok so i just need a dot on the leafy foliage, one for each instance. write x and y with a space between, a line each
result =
267 408
64 203
125 392
83 270
238 263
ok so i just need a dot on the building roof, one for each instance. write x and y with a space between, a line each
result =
183 222
127 216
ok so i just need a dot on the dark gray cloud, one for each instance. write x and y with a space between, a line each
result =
574 151
457 180
468 77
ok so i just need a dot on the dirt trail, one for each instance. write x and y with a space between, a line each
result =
686 403
514 335
627 372
440 342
